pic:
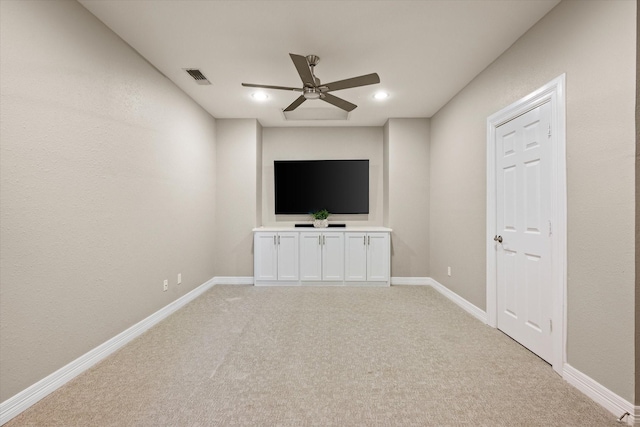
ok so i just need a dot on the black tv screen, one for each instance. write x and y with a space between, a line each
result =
305 186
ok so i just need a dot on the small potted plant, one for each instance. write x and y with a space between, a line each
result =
320 218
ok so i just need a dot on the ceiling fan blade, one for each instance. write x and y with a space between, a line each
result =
297 89
338 102
365 80
295 104
303 69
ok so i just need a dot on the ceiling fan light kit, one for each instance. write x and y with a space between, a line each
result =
259 96
312 93
312 88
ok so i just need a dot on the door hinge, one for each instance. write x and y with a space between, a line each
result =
549 133
550 229
550 325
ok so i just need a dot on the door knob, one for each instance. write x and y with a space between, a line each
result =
497 239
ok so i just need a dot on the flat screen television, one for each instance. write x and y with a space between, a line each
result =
304 186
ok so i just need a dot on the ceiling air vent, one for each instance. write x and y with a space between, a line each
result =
197 76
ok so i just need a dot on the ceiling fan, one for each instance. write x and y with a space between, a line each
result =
313 89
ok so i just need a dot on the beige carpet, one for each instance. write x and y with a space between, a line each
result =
247 356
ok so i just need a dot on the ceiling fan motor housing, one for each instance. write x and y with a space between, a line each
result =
312 93
313 60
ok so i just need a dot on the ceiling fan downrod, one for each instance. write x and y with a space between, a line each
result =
313 61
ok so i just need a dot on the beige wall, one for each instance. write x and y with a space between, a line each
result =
258 174
108 180
407 192
385 175
594 44
106 189
237 144
323 143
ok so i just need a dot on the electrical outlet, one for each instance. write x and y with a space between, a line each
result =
165 287
179 278
448 271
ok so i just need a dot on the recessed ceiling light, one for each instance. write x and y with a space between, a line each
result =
381 95
259 96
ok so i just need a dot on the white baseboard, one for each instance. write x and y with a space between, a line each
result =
601 395
476 312
29 396
412 281
591 388
233 280
455 298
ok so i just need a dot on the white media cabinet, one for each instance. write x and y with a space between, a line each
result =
292 256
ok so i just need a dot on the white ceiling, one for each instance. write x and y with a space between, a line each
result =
424 51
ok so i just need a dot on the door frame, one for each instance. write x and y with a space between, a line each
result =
553 92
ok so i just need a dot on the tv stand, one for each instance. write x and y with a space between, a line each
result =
343 256
310 225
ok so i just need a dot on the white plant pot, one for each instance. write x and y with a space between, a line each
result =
320 223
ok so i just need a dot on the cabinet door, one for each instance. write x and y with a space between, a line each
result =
332 256
355 264
265 256
287 256
378 257
310 256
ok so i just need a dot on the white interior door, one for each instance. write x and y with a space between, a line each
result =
523 242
